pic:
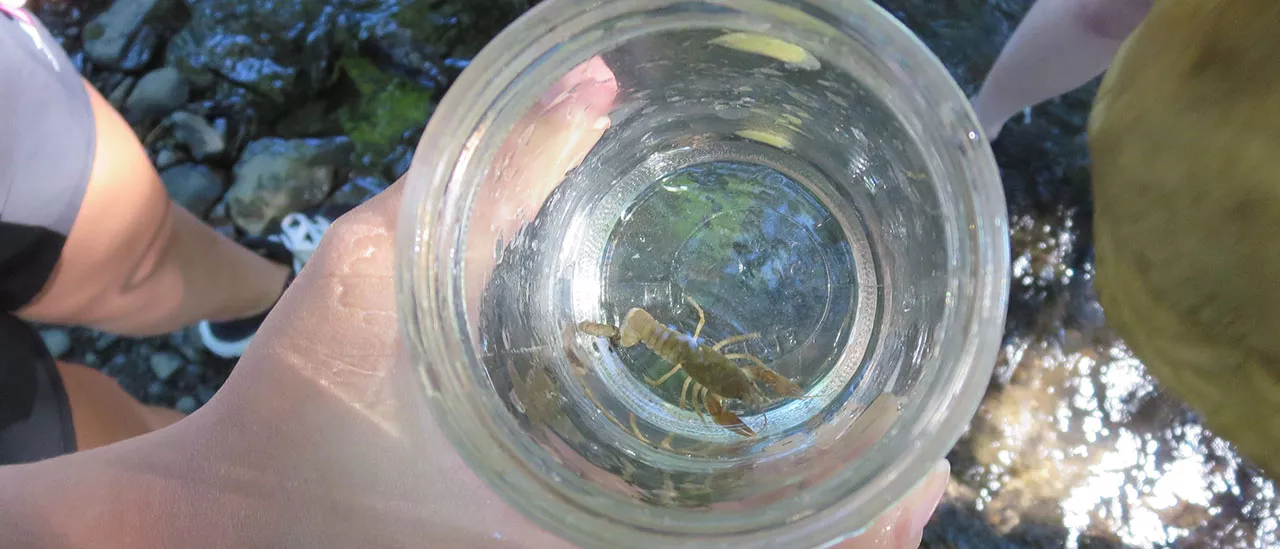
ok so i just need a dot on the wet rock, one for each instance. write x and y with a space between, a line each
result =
186 404
57 341
164 364
196 187
277 176
117 38
277 52
200 137
158 93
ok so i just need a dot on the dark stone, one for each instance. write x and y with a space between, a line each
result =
196 187
119 36
157 94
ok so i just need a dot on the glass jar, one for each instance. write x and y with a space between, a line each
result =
800 180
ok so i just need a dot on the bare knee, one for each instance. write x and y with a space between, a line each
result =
1112 19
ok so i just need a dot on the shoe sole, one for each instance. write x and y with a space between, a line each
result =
224 349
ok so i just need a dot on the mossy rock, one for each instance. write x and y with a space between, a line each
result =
388 110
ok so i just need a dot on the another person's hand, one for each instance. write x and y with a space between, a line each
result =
322 436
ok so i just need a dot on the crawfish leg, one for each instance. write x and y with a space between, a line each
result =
597 329
780 385
702 393
725 418
684 389
735 339
702 317
664 378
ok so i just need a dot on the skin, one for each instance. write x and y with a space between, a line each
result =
321 437
1059 46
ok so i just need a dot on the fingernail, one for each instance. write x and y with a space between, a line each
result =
930 495
602 123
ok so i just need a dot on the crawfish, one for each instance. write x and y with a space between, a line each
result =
711 375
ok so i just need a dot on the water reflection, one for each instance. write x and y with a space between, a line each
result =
1075 445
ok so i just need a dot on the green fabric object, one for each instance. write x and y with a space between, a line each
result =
1185 141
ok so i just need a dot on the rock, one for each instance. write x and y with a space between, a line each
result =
186 404
277 176
166 158
197 134
356 191
117 38
58 342
155 390
196 186
191 375
104 340
120 93
164 364
205 394
158 93
272 54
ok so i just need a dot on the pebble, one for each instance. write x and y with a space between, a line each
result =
155 390
158 93
56 341
120 93
191 374
164 364
187 404
205 394
196 134
195 186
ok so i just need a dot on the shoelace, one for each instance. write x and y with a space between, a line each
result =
301 235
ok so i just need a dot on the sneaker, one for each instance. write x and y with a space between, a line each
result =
299 236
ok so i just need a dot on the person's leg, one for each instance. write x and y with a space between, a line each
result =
136 263
103 413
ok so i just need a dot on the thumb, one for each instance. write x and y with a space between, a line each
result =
902 527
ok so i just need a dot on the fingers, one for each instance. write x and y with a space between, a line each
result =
552 139
902 527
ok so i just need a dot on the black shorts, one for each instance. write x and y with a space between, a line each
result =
46 156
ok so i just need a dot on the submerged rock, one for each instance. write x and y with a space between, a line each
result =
277 176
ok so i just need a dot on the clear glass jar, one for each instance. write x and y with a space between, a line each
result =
805 171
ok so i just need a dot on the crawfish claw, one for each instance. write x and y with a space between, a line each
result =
727 419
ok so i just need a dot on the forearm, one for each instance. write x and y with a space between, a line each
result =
1059 46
